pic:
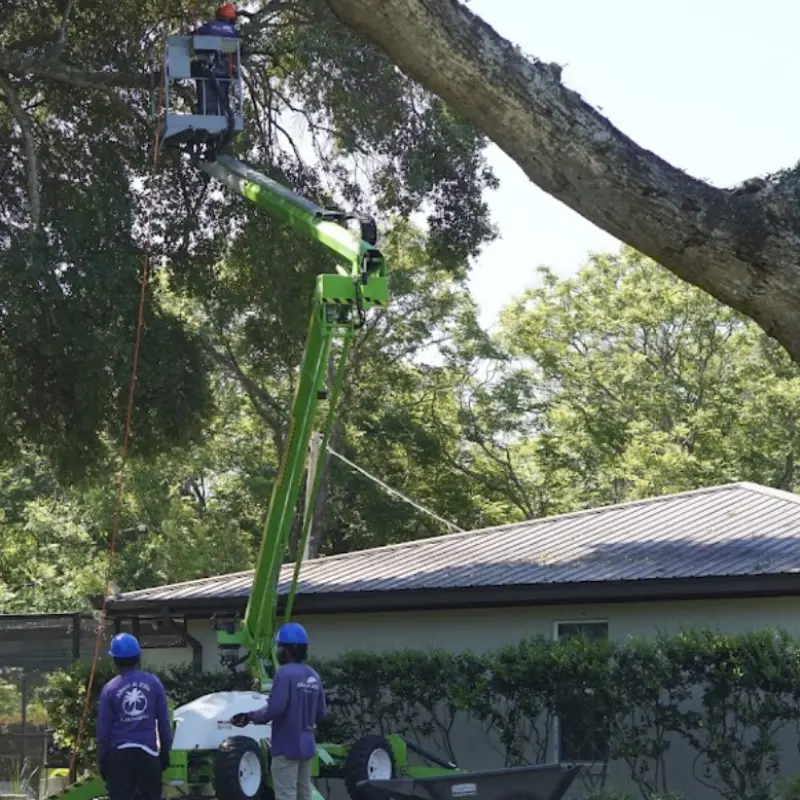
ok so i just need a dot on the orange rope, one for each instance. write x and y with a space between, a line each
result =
144 276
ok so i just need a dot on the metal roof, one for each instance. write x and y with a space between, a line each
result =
739 529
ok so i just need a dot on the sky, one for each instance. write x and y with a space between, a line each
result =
709 85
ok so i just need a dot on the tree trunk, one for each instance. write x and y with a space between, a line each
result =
740 245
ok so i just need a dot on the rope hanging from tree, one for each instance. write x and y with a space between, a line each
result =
144 276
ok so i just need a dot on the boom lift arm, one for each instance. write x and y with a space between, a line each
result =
340 302
205 755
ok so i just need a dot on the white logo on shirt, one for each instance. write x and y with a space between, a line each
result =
134 702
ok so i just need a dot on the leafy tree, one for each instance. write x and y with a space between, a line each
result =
183 515
646 386
386 418
621 383
77 144
187 513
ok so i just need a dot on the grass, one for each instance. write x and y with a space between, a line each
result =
21 777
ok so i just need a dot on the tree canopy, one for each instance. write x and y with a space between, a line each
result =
623 382
77 134
618 384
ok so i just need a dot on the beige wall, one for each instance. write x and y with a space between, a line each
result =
489 629
484 629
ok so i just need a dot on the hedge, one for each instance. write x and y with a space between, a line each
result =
728 696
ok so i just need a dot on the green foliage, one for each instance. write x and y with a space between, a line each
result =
788 788
65 695
65 699
54 539
619 384
615 702
182 684
188 513
69 284
657 692
622 383
748 690
727 696
10 701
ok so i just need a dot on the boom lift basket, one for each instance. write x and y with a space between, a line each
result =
212 64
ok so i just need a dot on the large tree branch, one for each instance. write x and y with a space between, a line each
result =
264 404
29 145
740 246
55 70
61 41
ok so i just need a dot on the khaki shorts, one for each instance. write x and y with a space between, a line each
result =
291 778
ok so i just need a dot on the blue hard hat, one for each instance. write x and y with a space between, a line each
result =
124 645
292 633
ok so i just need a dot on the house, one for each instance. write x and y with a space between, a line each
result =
726 557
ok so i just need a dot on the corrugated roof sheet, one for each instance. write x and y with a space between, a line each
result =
738 529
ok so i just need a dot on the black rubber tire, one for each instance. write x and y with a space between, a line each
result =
356 765
226 768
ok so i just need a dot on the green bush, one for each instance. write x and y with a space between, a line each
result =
65 699
183 684
728 696
66 692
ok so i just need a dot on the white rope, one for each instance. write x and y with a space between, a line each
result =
394 492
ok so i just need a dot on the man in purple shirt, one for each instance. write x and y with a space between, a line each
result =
133 729
296 703
212 63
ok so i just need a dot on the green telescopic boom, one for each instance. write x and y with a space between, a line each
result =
340 301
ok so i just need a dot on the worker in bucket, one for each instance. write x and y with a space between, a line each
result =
224 24
210 63
296 702
133 728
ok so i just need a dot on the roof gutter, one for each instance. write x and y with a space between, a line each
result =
662 589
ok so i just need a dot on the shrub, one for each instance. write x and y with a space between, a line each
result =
727 695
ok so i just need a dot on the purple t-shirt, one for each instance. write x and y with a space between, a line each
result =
217 27
132 706
296 702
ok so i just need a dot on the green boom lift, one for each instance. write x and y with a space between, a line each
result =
209 757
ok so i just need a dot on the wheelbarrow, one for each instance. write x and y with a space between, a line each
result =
536 782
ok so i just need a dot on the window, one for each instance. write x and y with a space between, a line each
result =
577 742
591 629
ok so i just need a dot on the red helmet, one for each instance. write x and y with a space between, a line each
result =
227 11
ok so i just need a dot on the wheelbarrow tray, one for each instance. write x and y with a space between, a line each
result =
536 782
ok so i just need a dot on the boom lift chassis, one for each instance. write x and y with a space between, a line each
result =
209 757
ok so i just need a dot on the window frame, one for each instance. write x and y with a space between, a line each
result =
557 741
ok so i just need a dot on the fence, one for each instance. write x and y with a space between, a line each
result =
31 647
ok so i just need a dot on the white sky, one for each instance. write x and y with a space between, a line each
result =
710 85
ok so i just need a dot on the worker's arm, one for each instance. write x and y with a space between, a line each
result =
164 731
104 718
322 706
276 705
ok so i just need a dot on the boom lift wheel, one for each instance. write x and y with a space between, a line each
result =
239 771
369 758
